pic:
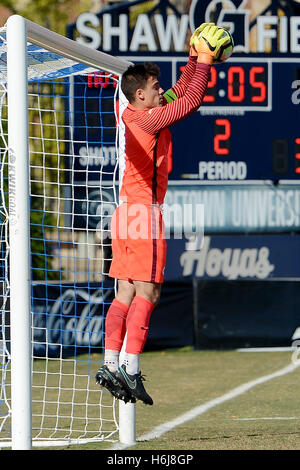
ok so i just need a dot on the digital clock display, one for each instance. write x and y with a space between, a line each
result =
237 85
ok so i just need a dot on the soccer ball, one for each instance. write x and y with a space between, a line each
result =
225 50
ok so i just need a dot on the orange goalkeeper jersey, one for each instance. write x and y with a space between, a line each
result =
148 139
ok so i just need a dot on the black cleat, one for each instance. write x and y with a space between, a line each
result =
107 379
133 384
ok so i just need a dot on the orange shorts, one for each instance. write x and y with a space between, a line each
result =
138 243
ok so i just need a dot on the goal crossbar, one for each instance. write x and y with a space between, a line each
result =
68 48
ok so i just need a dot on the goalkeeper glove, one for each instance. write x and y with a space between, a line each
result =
195 35
210 40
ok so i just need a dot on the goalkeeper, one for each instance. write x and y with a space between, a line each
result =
139 258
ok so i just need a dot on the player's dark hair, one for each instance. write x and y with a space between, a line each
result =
136 77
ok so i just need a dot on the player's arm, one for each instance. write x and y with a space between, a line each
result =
180 87
158 118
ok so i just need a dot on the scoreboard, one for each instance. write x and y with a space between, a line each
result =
248 125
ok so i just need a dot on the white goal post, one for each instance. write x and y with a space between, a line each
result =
20 33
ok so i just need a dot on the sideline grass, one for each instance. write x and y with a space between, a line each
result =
179 380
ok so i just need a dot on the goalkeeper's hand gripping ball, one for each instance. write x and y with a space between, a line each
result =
214 41
195 35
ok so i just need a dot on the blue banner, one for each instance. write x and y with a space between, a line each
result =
239 208
255 257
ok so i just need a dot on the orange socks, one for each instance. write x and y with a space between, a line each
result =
115 325
135 319
137 324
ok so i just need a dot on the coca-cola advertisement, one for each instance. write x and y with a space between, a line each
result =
68 317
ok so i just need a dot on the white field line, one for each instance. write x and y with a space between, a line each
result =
201 409
275 349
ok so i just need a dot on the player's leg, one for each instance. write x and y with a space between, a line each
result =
115 323
148 290
143 260
148 259
115 330
137 325
126 291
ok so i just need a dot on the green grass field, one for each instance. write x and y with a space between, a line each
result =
263 418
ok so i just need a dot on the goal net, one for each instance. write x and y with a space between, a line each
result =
73 140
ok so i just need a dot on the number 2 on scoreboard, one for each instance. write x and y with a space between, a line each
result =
222 136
